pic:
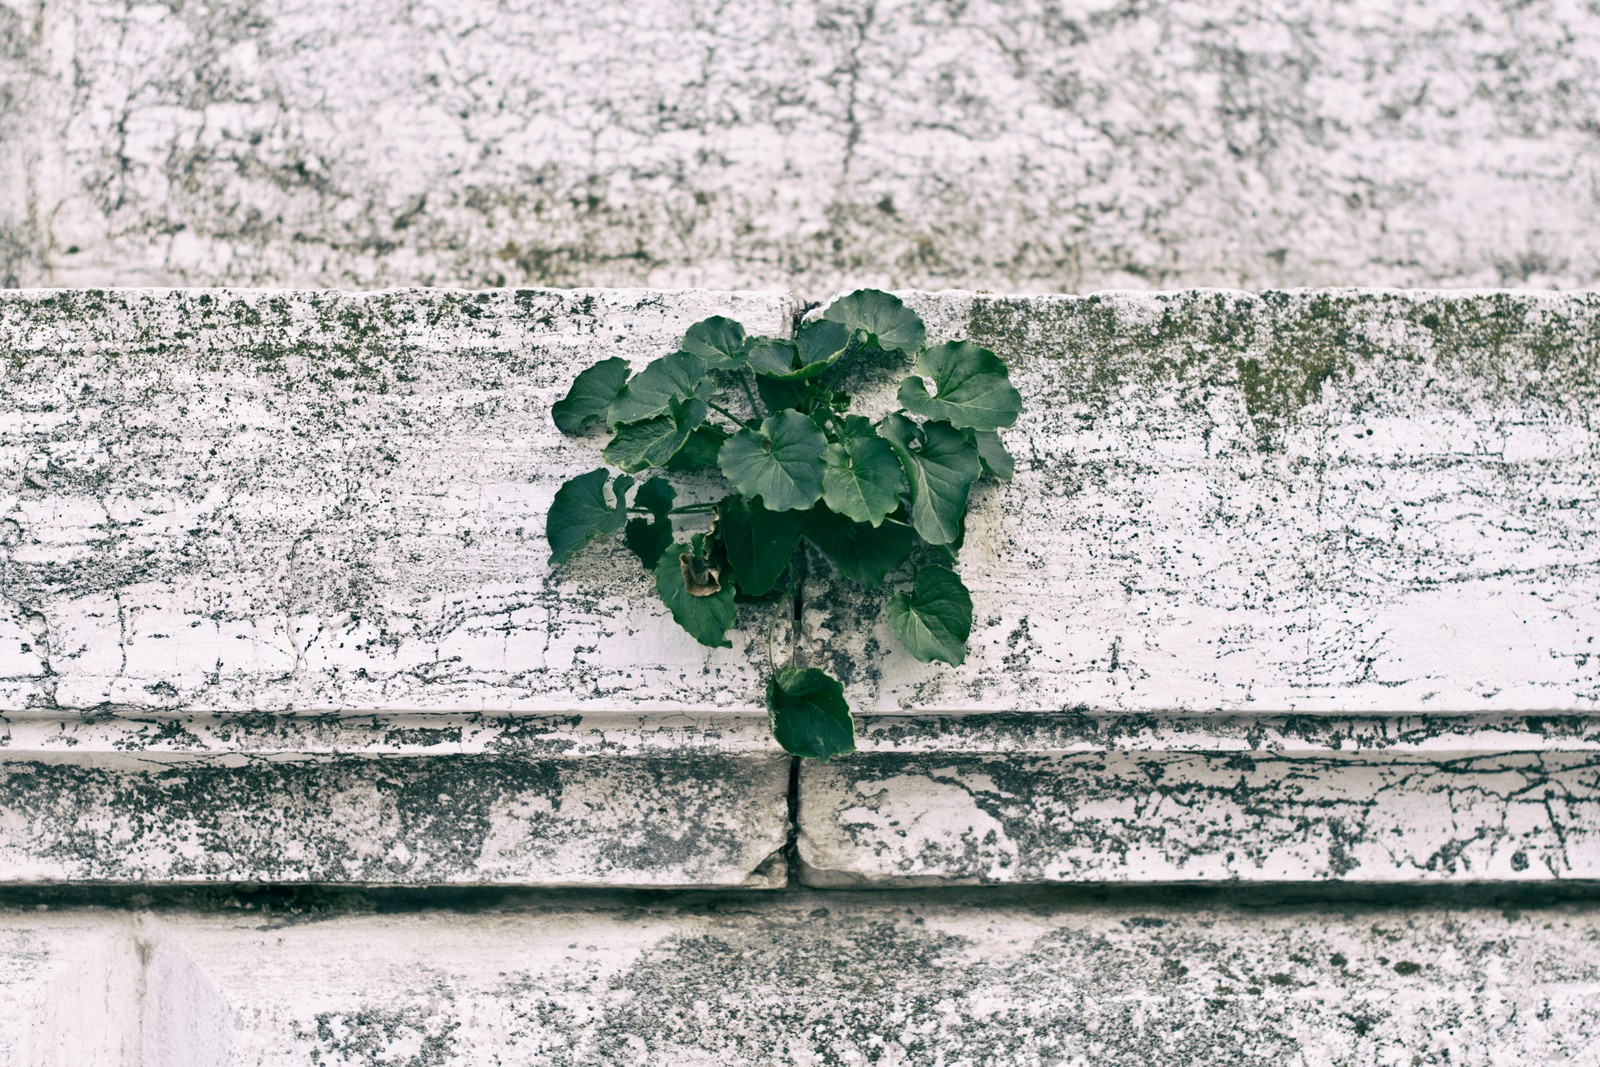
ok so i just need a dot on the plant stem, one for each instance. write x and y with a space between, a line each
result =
772 628
719 409
744 380
835 372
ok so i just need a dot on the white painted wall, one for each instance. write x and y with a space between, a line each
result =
989 145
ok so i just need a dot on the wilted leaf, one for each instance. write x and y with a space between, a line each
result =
706 618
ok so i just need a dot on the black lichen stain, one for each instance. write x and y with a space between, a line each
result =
396 819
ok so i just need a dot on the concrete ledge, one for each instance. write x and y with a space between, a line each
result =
220 509
1038 799
808 144
840 978
419 800
226 500
1342 501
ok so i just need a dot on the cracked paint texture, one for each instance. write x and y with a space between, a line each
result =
429 799
1181 816
237 500
853 979
1011 146
1337 501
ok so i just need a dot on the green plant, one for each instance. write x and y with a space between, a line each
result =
884 503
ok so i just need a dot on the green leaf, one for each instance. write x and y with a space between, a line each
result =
719 341
579 513
993 455
809 714
656 496
700 450
973 388
648 539
821 341
759 542
940 465
881 317
591 395
782 463
778 393
861 477
653 442
862 553
706 618
652 391
816 347
935 620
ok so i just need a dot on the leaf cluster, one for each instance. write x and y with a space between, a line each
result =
883 501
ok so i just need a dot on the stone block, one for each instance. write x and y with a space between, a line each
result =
1016 146
855 979
1024 799
1342 501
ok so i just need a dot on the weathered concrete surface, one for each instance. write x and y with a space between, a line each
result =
1041 798
1010 146
1338 501
374 800
225 500
884 979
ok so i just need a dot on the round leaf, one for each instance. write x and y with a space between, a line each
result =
579 513
809 715
935 620
861 553
706 618
719 341
759 542
652 391
940 466
861 478
881 317
973 388
781 463
653 442
591 396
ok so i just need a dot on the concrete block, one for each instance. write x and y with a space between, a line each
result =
375 800
880 978
234 501
1342 501
1011 146
1023 799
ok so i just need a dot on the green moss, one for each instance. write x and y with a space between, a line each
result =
1276 351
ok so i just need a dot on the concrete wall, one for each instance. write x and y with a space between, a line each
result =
809 145
1288 587
1296 592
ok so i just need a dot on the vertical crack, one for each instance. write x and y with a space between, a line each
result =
791 840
